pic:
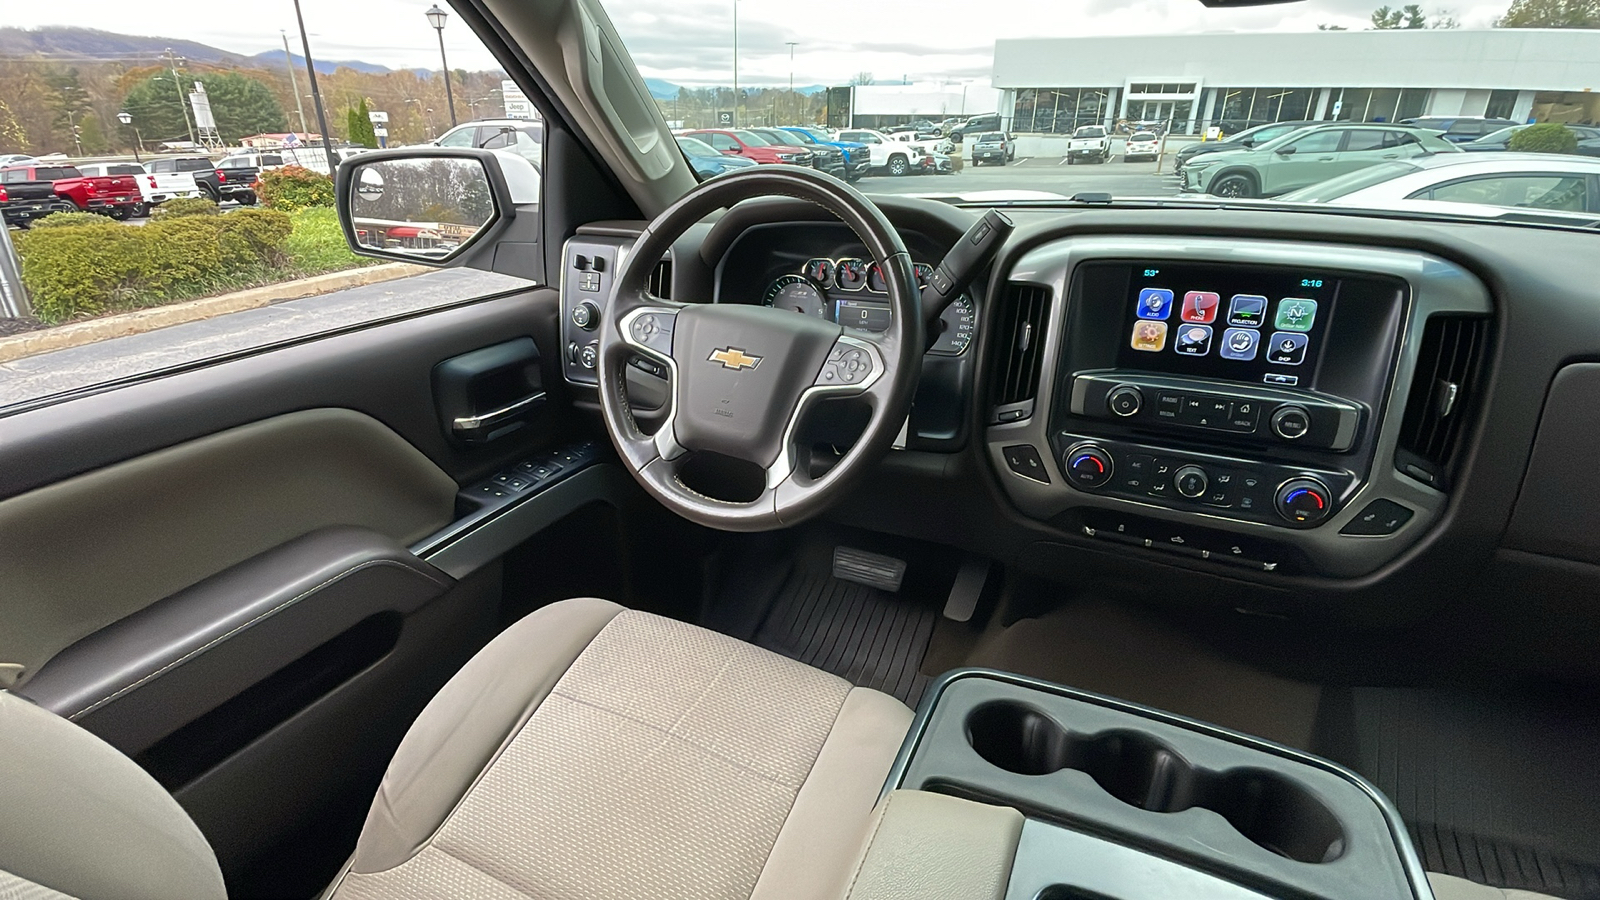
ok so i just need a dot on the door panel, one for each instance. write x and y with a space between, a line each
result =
1313 160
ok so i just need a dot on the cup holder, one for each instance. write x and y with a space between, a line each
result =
1139 770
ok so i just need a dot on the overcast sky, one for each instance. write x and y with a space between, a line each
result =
690 41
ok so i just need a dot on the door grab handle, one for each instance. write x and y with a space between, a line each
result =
477 428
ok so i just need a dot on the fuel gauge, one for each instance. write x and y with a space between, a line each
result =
850 275
819 271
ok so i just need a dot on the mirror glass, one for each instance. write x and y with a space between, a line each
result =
426 208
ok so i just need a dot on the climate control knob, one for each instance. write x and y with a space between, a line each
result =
1088 466
1124 401
1303 500
1191 481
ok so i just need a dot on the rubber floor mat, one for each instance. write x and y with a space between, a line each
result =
1503 791
866 636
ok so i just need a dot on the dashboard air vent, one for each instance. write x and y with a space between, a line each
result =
1441 396
1017 351
661 279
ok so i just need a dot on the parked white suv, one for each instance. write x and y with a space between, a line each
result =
890 154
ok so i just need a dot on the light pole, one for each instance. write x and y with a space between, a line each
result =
183 99
736 63
126 119
288 61
73 127
791 75
316 95
436 18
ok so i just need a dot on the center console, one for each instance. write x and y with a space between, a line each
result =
1121 802
1236 403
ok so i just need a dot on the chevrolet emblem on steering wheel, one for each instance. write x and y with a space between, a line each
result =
734 358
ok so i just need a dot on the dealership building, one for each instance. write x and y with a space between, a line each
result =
1235 81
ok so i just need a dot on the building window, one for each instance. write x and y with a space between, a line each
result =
1160 88
1377 104
1059 110
1501 104
1236 109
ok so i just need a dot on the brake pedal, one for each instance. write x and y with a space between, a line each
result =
871 569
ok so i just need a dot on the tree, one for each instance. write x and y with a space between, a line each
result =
361 132
862 78
1552 14
1409 16
1547 137
242 105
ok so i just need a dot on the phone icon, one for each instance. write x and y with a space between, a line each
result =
1200 307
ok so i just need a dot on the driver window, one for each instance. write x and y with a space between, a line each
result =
1319 142
724 142
1363 141
459 138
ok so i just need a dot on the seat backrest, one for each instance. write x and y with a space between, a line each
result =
80 820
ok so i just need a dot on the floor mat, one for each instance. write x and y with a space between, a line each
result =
1499 790
1119 652
866 636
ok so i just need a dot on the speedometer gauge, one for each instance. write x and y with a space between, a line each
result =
956 326
850 275
797 294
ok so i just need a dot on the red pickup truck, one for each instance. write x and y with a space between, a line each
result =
113 195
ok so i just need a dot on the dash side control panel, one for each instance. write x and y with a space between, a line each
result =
1227 410
1252 491
587 267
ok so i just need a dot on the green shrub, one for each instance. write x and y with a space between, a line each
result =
317 244
185 206
65 219
1547 137
99 267
293 188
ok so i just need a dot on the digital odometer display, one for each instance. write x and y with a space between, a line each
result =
1259 325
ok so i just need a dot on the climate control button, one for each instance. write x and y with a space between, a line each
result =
1088 466
1303 500
1125 401
1191 481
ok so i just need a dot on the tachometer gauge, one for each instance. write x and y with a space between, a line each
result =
957 324
875 279
797 294
819 271
850 275
924 272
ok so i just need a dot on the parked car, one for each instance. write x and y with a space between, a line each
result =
235 171
1141 145
16 159
975 124
154 188
1588 140
1460 129
525 137
24 199
1244 140
706 161
857 159
1306 157
112 195
751 146
993 147
1089 142
1543 181
217 184
825 159
890 154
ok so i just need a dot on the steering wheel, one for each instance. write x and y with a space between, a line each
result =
743 376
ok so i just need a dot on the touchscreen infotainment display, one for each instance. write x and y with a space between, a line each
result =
1244 324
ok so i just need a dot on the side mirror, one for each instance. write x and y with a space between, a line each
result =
1248 142
430 205
732 151
1286 151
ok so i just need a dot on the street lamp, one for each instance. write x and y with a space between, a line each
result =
436 18
126 118
791 77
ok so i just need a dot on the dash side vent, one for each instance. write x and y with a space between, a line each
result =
661 279
1443 388
1019 351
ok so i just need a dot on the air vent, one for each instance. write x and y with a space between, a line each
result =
1018 351
661 279
1441 397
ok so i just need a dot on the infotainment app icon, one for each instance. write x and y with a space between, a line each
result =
1295 314
1247 310
1193 340
1239 343
1155 303
1200 307
1287 348
1150 337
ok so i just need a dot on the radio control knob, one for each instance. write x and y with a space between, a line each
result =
1291 422
1191 481
1124 401
1303 500
1088 466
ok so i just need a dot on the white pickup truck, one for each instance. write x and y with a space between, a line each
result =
888 153
155 188
1089 142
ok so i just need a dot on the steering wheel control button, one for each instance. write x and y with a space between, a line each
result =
1291 422
1124 401
1378 518
1191 482
1303 500
586 315
653 330
1024 460
846 365
1089 467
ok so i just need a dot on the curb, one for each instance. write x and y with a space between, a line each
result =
77 334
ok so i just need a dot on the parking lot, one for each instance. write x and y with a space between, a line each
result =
1116 177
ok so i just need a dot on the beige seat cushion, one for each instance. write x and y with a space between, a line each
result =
1449 887
592 751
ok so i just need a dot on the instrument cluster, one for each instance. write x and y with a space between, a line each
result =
854 293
